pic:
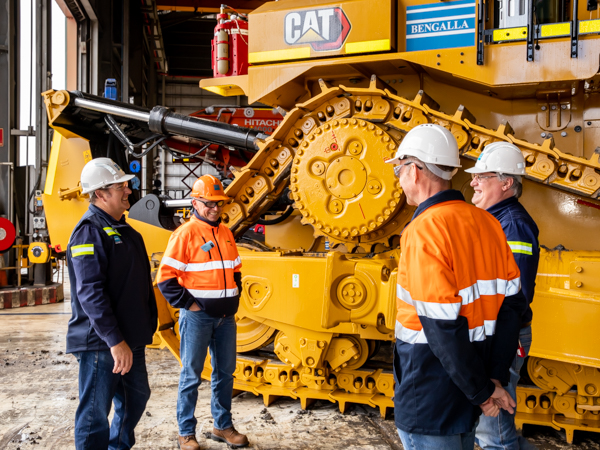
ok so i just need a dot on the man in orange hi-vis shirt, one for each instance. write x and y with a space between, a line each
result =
459 303
200 274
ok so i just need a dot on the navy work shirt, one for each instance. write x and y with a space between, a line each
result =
522 236
112 298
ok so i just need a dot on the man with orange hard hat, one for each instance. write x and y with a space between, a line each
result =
200 274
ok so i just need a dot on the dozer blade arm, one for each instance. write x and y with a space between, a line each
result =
85 115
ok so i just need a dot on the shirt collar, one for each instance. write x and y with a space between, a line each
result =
205 220
495 209
441 197
94 209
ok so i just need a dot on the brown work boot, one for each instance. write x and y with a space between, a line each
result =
188 443
230 436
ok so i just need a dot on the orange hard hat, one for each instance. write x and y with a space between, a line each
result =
210 188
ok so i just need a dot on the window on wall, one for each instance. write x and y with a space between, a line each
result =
59 48
28 95
27 99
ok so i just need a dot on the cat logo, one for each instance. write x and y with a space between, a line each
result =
324 29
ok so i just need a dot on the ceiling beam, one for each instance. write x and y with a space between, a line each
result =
207 6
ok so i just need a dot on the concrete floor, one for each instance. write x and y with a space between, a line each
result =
38 398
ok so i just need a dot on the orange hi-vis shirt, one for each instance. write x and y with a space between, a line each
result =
459 308
201 264
455 261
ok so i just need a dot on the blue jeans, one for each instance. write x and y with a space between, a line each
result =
98 388
413 441
500 432
199 331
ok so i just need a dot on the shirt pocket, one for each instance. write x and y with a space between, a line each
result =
203 269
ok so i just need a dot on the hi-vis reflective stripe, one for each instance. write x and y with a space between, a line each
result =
521 247
111 232
212 265
410 336
201 267
489 287
476 334
440 311
479 333
450 311
173 263
80 250
198 293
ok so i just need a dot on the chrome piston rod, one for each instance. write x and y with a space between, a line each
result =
182 203
114 110
164 121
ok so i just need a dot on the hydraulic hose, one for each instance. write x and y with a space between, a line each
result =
288 212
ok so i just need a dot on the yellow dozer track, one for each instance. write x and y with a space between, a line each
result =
319 296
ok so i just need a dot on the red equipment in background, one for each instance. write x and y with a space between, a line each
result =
263 119
230 46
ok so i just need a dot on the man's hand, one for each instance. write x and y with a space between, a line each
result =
123 357
502 398
490 408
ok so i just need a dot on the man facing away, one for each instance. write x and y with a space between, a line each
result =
200 274
459 304
498 185
114 312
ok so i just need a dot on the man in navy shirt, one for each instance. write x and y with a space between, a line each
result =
497 184
114 312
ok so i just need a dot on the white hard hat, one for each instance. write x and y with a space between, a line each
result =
432 144
501 157
101 172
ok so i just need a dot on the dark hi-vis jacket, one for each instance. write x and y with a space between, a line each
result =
522 235
112 298
201 264
459 309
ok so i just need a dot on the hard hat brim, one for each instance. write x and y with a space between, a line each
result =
395 160
120 180
478 170
124 179
504 172
214 198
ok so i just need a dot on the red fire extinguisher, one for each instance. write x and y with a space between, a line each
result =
230 46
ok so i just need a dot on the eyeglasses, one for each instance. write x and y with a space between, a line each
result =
211 205
478 178
116 186
399 167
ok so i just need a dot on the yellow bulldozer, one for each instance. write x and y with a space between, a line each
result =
353 77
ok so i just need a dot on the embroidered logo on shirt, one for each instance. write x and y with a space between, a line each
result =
118 240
